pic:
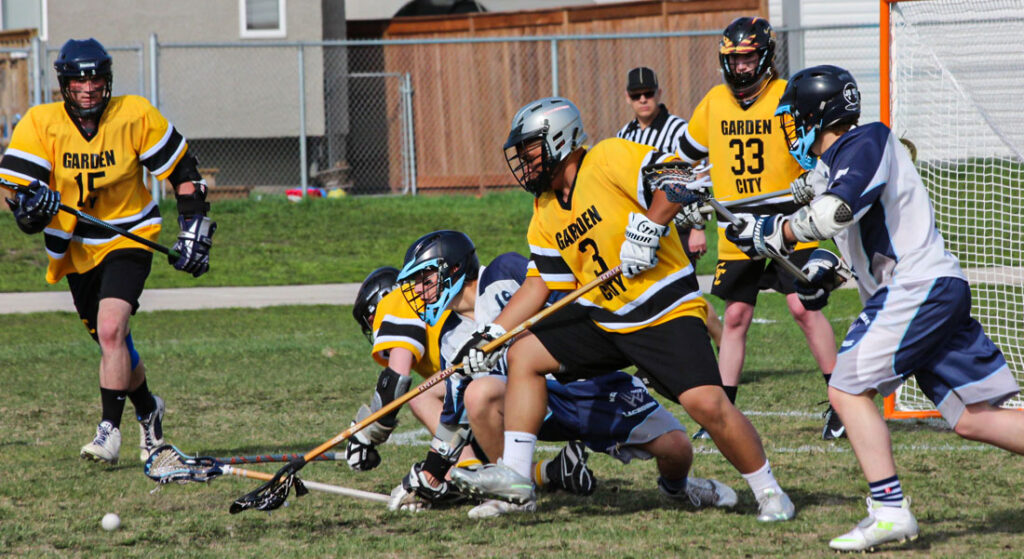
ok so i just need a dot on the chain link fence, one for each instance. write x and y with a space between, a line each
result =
423 116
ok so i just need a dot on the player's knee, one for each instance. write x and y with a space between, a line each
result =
110 333
706 404
971 426
484 395
738 316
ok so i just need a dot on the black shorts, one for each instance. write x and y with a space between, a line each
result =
676 354
121 275
684 238
741 280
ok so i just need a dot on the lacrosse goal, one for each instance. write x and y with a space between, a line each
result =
953 90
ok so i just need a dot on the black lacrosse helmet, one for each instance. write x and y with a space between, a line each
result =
816 98
453 256
745 35
80 58
377 284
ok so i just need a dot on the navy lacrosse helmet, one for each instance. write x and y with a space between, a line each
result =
377 284
743 36
816 98
436 267
80 59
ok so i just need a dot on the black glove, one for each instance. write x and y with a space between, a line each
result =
825 272
33 210
194 244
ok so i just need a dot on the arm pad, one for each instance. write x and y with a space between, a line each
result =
822 219
390 387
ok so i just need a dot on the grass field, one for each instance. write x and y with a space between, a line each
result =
285 379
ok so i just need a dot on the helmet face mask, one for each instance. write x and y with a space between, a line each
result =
747 35
816 99
377 284
555 126
83 59
437 267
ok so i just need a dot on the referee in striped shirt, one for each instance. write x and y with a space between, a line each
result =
655 126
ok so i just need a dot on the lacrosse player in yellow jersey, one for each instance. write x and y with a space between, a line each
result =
88 152
734 127
595 211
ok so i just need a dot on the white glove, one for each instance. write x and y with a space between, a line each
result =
691 214
403 498
768 238
475 362
808 185
638 252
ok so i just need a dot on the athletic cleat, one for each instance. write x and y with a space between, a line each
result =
702 493
702 434
106 446
493 508
883 524
495 481
834 428
774 506
573 474
151 429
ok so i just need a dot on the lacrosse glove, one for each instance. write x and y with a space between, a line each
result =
34 210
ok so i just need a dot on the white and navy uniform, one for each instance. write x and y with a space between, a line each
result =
663 133
917 302
611 413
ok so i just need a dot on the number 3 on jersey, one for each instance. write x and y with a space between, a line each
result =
86 186
752 150
612 288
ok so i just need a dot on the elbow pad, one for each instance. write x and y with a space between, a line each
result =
822 219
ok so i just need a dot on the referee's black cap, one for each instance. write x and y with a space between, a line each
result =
641 78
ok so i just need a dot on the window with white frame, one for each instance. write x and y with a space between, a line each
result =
261 18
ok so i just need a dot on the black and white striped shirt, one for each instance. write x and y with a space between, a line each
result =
663 133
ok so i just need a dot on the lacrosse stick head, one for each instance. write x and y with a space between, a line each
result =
167 464
272 495
681 182
379 283
543 134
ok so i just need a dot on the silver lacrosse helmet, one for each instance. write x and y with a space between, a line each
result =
544 132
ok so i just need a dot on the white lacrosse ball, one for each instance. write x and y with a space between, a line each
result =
111 522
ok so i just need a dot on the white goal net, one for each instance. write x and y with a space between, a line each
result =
957 93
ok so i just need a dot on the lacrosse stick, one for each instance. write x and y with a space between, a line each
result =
168 464
681 182
100 223
273 493
781 260
265 458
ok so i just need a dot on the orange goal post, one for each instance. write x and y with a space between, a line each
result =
952 85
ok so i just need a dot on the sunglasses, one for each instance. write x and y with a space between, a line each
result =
637 95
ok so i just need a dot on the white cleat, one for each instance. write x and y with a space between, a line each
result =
494 508
774 506
106 446
151 430
883 524
495 481
702 493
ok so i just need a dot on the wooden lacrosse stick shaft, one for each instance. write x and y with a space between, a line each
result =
441 375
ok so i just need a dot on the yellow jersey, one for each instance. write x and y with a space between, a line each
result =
100 176
396 325
746 149
572 243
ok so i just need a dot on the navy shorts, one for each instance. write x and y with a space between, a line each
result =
611 413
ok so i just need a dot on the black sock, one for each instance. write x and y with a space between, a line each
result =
113 405
827 377
730 391
143 400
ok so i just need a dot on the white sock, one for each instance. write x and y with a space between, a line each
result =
762 479
519 452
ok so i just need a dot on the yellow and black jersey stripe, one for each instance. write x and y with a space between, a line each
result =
746 149
100 176
396 325
573 242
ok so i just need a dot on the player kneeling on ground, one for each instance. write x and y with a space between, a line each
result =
917 302
630 425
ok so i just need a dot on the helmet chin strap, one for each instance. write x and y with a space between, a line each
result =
755 90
